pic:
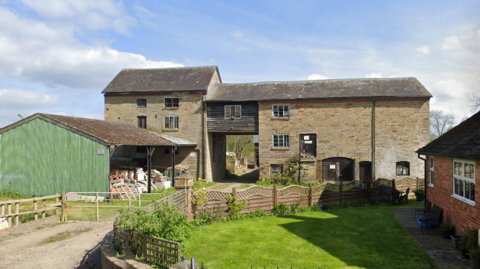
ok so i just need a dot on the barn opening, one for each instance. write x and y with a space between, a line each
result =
337 169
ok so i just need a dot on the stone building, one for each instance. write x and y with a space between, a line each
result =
331 129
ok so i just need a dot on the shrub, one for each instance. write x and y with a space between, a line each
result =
280 209
235 207
468 240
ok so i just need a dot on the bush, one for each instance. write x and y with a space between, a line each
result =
468 240
280 209
165 222
235 207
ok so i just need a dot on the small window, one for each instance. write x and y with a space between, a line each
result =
464 180
233 112
431 171
142 122
281 111
171 122
276 169
141 102
281 141
168 150
403 168
171 102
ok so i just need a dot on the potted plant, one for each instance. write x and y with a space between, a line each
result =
468 240
419 194
447 229
474 254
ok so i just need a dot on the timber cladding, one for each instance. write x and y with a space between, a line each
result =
246 123
265 199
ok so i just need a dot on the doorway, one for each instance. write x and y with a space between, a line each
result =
337 169
365 171
308 145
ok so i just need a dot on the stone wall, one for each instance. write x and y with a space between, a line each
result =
464 216
344 129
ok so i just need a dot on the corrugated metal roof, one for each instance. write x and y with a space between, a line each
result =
461 141
318 89
112 133
178 141
162 80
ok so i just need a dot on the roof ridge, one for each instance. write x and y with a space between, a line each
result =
315 80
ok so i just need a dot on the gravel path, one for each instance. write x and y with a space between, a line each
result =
79 247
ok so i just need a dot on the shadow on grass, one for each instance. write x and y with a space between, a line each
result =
361 237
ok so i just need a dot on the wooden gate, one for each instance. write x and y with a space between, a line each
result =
337 169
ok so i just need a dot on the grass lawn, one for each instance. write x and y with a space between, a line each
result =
361 237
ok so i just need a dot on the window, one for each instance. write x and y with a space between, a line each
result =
168 150
142 122
281 141
171 102
464 180
141 102
171 122
403 168
431 171
233 112
281 111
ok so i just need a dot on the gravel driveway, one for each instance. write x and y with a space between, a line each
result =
74 245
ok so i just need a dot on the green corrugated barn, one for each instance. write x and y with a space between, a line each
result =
46 154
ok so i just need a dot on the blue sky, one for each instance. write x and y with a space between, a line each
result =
56 56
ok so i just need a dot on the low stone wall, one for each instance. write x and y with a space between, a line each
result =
110 260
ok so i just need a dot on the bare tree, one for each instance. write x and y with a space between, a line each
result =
440 123
239 144
474 102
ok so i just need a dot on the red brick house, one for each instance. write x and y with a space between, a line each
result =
452 167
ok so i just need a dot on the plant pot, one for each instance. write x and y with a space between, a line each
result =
475 262
419 197
455 240
446 234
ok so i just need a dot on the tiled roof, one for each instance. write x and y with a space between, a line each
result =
461 141
162 80
318 89
112 133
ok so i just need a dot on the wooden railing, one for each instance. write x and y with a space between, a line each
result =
6 207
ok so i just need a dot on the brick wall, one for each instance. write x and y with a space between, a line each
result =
344 129
459 213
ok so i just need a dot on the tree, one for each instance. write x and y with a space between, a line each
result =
474 102
440 123
242 145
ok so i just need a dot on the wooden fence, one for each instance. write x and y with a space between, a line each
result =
155 250
27 203
265 199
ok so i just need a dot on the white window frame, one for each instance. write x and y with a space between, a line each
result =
238 112
171 107
177 122
277 107
285 142
432 169
402 163
463 179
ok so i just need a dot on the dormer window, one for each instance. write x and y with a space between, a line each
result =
172 102
233 112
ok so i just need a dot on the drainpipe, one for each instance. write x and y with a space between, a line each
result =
373 140
424 174
198 164
203 137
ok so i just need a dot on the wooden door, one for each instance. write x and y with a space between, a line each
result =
365 171
308 145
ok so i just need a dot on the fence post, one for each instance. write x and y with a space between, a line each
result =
98 209
393 184
17 210
63 207
9 218
310 194
234 192
418 184
35 209
341 191
44 206
274 196
56 202
3 209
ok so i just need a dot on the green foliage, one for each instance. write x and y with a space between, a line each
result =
201 183
419 192
445 226
468 240
164 222
117 245
294 208
234 207
280 209
202 198
474 252
203 218
14 195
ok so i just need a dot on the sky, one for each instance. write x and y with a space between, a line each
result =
56 56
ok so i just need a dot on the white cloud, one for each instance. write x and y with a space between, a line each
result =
27 99
316 77
451 43
92 14
49 54
423 50
450 96
374 75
